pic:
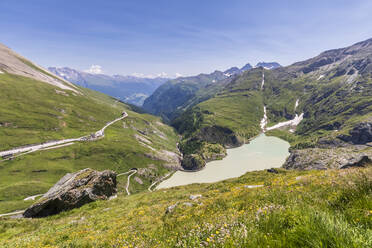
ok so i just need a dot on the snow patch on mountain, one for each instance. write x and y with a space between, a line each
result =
268 65
320 77
293 123
296 104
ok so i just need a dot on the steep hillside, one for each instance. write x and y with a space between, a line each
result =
175 96
42 108
331 92
129 89
14 63
290 209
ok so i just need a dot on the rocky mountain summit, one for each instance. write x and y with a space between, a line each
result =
73 191
268 65
344 61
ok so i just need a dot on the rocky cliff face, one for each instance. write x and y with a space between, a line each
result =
193 162
73 191
360 134
219 135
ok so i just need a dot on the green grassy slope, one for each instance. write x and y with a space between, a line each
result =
171 98
239 107
33 112
293 209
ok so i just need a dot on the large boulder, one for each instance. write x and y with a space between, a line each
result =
74 190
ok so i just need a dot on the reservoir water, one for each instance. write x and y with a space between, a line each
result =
261 153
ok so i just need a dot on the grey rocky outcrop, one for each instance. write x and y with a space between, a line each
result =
347 150
329 158
172 160
195 197
74 190
219 135
193 162
360 134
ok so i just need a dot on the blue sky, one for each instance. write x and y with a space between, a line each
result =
187 37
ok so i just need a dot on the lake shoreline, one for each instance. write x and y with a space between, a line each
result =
262 152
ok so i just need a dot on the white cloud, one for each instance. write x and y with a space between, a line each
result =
136 74
162 74
178 75
141 75
95 69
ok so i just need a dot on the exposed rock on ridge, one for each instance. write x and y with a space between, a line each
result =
360 134
74 190
13 63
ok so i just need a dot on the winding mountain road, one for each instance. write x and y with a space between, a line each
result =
53 144
158 181
12 213
132 171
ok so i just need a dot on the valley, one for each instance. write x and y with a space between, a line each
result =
313 113
129 89
270 155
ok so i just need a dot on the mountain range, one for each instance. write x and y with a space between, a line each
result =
130 89
176 95
329 97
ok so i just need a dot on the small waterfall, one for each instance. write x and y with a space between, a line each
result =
296 104
264 121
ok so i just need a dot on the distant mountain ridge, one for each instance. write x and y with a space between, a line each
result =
171 98
129 89
268 65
